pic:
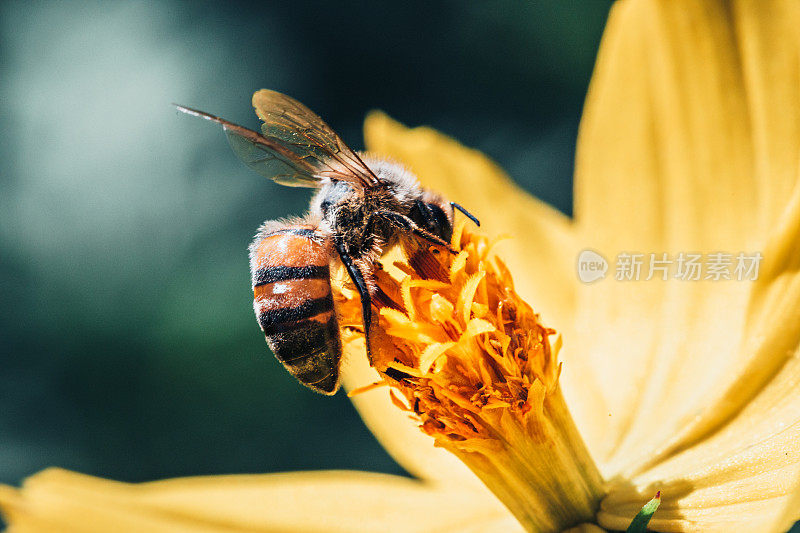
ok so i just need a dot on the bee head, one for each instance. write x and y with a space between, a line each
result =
434 214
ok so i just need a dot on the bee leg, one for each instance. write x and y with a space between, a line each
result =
361 285
403 222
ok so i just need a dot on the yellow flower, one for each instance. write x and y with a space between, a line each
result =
690 142
475 368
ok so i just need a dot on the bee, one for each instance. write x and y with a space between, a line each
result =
363 206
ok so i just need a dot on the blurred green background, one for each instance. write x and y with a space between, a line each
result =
129 345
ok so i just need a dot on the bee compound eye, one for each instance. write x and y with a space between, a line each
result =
438 221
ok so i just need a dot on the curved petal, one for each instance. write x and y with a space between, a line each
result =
770 341
751 467
747 474
770 49
689 143
713 113
58 500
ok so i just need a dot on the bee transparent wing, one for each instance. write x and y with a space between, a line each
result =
267 156
268 163
304 133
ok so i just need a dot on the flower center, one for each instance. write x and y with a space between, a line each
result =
472 362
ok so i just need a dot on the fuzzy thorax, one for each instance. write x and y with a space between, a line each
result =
471 361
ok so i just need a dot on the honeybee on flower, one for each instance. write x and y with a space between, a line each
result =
689 141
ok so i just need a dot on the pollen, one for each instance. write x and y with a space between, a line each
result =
453 339
474 366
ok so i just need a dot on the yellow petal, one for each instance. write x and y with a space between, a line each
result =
540 254
690 142
585 528
744 476
58 500
770 341
663 162
677 152
751 467
769 46
665 153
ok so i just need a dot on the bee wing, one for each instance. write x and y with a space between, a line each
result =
296 147
307 136
266 156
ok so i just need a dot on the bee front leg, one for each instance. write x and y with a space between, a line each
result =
361 285
406 224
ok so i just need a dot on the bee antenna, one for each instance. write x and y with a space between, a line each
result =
466 213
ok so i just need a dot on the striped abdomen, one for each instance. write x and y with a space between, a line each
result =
294 304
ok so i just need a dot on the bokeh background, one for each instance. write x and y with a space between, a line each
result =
128 346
